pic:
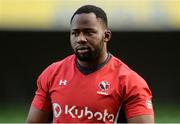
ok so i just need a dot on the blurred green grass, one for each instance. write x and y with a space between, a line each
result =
169 113
13 113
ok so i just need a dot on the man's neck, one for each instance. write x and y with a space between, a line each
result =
93 63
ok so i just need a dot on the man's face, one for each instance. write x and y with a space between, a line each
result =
87 36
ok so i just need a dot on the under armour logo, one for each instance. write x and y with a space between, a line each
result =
63 82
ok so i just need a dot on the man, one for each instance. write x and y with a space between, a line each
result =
91 85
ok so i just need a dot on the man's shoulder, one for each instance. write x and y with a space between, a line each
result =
123 69
119 64
66 61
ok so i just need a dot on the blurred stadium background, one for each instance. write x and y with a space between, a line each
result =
35 33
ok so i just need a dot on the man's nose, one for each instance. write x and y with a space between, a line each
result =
81 38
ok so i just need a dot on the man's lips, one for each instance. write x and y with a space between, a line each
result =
82 49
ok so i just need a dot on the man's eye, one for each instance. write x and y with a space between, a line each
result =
75 33
89 33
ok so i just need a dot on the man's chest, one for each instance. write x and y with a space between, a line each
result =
85 98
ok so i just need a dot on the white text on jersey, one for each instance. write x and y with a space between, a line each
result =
74 112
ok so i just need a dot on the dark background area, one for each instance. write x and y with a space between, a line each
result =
25 54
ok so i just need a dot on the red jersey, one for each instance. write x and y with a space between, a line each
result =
95 97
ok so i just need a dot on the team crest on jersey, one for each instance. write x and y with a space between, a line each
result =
103 87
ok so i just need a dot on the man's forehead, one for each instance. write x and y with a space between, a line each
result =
85 20
83 29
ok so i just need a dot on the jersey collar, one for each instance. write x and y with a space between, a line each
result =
87 71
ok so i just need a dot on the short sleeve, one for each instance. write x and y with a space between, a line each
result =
41 99
137 97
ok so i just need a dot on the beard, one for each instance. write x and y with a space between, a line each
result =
90 55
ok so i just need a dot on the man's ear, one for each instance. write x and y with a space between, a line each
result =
107 35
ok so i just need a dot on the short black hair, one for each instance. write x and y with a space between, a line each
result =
100 13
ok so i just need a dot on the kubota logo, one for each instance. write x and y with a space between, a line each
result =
56 110
74 112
